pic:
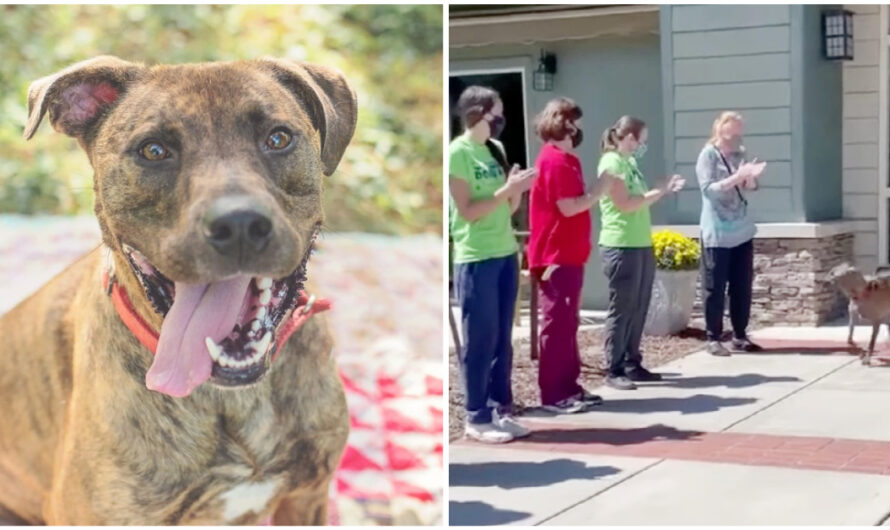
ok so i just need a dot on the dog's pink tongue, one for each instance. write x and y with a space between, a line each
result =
182 362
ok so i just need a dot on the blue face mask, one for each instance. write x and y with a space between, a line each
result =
641 150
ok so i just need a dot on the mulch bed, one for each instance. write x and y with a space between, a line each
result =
656 351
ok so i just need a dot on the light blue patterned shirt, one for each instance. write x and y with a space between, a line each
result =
724 213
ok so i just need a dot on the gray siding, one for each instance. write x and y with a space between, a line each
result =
725 57
694 18
765 62
738 69
860 134
822 109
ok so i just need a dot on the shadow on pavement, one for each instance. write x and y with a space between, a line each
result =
727 381
615 437
480 513
509 475
697 404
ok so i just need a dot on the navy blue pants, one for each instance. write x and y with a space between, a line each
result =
486 291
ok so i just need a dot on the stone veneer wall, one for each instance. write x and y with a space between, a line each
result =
790 286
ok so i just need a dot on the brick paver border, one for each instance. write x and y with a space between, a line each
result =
665 442
662 442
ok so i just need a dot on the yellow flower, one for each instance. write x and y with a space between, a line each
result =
675 251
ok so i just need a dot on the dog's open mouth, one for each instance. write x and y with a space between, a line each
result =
224 331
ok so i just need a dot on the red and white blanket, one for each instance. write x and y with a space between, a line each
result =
387 322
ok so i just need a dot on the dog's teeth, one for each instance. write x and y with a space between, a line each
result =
265 296
213 348
263 344
264 283
261 313
257 355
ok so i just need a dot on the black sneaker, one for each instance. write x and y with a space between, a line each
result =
620 382
717 349
591 400
745 345
640 374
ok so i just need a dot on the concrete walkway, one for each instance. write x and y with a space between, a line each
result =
799 434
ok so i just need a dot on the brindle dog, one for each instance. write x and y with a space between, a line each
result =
208 184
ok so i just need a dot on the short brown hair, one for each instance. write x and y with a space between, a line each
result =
551 123
624 126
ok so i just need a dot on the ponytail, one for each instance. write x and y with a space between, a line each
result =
624 126
609 143
498 155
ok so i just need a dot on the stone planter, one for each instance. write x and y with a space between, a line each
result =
673 295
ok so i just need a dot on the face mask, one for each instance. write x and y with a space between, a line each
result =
641 150
577 137
496 126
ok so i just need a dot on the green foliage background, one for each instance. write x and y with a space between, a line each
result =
390 179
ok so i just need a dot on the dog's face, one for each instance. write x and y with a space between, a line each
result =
208 180
848 279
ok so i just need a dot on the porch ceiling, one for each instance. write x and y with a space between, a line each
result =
490 25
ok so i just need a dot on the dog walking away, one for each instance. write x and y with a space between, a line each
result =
869 299
153 381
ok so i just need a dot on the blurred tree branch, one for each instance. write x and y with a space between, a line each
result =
390 180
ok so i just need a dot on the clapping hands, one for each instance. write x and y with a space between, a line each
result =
520 180
674 184
751 171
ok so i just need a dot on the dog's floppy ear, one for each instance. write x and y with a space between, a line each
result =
327 97
79 96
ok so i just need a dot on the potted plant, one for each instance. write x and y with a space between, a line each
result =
673 292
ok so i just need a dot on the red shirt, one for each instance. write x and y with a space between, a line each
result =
556 239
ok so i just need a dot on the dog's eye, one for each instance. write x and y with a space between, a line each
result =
278 140
154 151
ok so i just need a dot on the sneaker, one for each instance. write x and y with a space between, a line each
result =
620 382
589 399
487 433
745 345
567 406
638 373
717 349
509 424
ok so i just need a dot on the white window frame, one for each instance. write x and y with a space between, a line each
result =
509 70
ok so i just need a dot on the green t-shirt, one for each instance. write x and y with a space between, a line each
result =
490 236
621 229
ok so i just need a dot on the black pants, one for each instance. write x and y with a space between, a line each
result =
734 266
631 272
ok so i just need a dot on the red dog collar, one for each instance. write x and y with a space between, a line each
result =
307 306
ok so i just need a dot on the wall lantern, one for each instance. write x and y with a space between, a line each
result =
837 35
543 78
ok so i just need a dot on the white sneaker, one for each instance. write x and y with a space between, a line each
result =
508 423
487 433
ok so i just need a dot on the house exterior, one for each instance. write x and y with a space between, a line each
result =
821 124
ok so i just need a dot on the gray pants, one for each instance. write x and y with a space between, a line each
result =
631 272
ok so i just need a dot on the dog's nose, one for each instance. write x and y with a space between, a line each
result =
233 226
